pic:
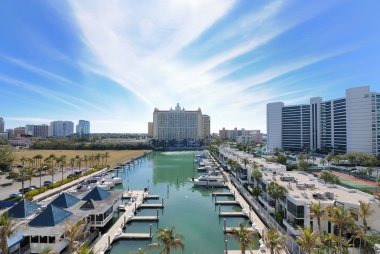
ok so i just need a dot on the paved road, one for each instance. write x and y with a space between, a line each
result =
16 186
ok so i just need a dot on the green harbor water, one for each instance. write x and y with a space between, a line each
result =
190 209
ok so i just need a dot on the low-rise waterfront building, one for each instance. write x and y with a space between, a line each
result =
304 189
45 225
242 135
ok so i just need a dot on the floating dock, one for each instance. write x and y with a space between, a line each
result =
151 206
145 218
228 202
152 197
232 214
229 229
223 194
134 236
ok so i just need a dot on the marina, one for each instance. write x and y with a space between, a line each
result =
190 209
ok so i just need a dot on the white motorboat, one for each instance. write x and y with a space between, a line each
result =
209 181
104 187
116 180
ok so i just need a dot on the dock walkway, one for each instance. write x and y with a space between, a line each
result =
114 232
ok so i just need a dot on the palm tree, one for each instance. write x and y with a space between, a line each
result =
317 211
22 174
40 169
23 159
364 212
38 159
276 191
85 249
62 163
308 240
74 232
30 173
72 164
274 241
7 228
79 162
51 171
256 174
48 250
106 156
244 236
85 159
341 217
168 239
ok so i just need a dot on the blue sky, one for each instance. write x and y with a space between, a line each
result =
113 62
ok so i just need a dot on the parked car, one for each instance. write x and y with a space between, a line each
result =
15 195
26 189
47 183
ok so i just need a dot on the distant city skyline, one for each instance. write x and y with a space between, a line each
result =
79 60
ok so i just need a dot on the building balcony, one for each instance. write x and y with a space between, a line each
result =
291 227
101 223
270 208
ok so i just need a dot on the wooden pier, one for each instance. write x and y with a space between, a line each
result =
145 218
151 206
228 202
223 194
232 214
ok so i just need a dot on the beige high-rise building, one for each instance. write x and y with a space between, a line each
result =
205 126
150 129
179 124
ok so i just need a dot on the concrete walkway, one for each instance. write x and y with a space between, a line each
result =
255 220
115 231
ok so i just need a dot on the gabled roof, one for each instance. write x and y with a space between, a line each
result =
88 205
65 200
23 209
50 217
97 194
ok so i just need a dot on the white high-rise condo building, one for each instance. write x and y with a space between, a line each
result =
83 128
179 124
348 124
61 128
2 125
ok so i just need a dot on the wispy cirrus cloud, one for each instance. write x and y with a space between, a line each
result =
146 54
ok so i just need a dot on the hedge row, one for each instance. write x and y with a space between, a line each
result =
30 194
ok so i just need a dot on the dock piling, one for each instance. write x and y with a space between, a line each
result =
225 227
150 230
109 241
226 246
162 202
157 213
219 209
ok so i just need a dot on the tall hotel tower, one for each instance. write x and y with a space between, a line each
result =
179 124
348 124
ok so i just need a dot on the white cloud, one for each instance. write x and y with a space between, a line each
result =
138 44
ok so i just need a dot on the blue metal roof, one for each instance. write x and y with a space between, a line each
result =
97 194
51 216
65 200
23 209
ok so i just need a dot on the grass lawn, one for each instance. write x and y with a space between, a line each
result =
114 156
